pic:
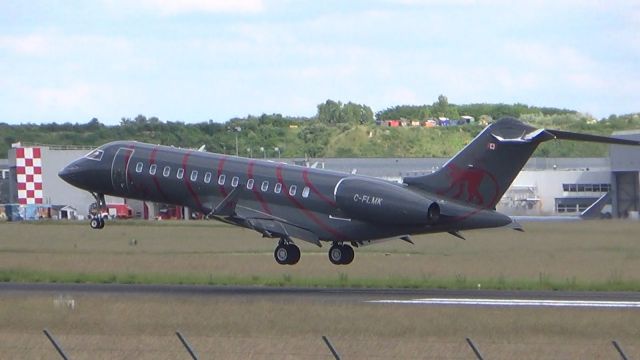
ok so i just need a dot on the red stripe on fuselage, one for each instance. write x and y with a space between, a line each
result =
308 213
187 181
152 161
307 182
255 190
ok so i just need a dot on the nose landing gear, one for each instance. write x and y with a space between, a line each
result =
97 222
101 211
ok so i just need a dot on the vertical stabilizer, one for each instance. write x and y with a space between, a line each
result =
481 172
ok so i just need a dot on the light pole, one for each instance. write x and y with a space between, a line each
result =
236 130
278 150
250 151
264 153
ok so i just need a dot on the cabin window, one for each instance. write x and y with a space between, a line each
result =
305 192
152 169
221 179
234 181
180 173
277 188
166 171
207 177
250 184
264 186
292 190
139 167
194 175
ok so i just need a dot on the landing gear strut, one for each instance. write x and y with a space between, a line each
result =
97 222
340 254
287 253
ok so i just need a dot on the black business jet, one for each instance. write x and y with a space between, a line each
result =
289 202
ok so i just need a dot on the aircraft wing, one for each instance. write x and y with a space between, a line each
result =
229 211
279 228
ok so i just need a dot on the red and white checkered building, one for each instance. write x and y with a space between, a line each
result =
29 175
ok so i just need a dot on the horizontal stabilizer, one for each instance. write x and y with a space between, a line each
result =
567 135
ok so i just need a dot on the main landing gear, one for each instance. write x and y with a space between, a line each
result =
100 206
287 253
341 254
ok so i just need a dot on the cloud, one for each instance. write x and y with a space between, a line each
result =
53 43
177 7
57 98
35 44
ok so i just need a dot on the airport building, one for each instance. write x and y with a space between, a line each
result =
30 187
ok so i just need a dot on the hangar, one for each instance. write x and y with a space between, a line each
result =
545 186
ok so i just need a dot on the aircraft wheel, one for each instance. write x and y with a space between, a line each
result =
95 223
102 222
294 254
336 254
282 254
349 254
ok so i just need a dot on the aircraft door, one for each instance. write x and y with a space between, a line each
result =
120 170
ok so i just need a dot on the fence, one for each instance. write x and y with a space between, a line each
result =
331 349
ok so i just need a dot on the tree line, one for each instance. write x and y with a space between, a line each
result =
337 129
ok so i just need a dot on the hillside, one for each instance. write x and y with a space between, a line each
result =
338 130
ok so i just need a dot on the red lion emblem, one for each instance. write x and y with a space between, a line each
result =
468 180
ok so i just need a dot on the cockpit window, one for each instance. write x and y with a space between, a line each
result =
95 155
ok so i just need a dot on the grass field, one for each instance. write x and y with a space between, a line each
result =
600 255
142 327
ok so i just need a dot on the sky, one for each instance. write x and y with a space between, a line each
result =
199 60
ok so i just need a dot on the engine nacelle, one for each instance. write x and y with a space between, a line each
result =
383 202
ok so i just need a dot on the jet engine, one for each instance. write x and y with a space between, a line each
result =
382 202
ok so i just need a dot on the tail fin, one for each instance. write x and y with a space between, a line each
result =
483 170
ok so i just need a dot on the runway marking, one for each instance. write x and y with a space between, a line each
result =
515 302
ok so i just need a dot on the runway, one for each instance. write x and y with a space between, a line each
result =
398 297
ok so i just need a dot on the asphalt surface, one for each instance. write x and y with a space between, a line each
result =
336 294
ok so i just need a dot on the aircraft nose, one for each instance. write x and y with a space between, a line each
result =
70 173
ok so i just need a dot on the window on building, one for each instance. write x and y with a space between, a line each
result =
305 192
152 169
166 171
574 204
221 179
292 190
234 181
586 187
180 173
194 175
207 177
277 188
250 184
264 186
